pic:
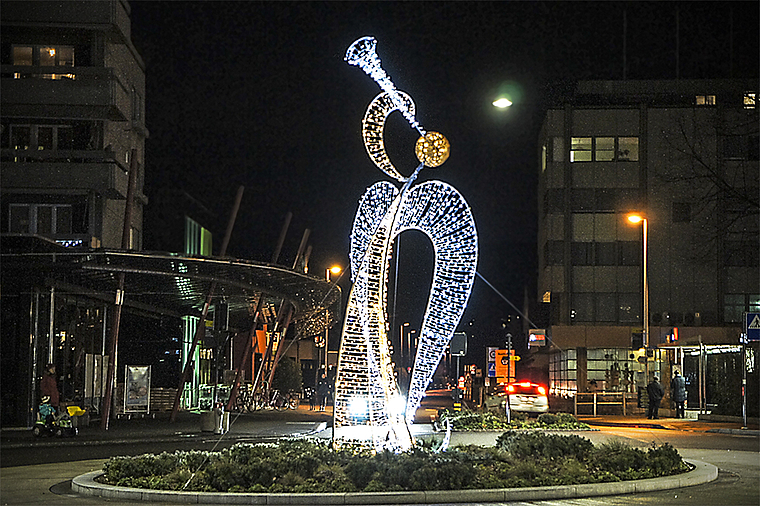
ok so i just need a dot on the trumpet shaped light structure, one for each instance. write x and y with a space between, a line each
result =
367 399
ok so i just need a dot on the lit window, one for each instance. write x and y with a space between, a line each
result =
604 149
705 99
750 98
580 149
543 158
628 149
43 56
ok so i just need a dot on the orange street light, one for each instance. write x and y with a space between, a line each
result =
638 218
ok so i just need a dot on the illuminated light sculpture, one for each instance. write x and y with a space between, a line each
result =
369 410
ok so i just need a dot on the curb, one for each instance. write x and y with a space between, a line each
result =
702 473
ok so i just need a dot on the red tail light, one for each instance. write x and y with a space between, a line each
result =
510 388
542 390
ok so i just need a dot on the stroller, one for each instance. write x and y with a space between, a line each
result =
51 423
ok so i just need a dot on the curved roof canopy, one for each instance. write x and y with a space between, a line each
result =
171 284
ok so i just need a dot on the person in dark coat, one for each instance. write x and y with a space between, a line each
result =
655 393
323 391
678 392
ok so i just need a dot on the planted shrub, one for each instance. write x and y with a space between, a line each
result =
550 446
518 459
547 419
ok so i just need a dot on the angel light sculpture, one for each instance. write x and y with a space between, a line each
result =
369 410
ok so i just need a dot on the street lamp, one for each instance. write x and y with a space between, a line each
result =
502 103
638 218
335 269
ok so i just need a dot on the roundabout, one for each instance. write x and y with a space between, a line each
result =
700 473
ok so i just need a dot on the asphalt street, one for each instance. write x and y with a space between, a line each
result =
38 471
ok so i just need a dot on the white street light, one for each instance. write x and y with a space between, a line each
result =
502 103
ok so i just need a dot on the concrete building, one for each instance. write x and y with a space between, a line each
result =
684 155
73 115
73 129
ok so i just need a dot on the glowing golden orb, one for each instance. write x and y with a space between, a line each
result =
432 149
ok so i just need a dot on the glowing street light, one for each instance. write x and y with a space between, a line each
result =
638 218
502 103
335 269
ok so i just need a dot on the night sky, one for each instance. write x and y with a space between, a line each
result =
257 94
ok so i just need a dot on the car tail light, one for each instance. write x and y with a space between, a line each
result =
510 388
541 390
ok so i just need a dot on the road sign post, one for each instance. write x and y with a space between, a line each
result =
751 333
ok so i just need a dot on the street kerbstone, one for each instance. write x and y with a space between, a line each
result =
701 473
469 496
384 497
328 498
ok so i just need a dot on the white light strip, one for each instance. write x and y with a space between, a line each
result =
366 410
362 54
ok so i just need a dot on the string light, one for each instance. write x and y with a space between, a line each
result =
365 374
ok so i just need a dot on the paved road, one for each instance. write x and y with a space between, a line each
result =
737 457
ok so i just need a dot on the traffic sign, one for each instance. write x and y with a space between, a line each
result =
752 326
491 369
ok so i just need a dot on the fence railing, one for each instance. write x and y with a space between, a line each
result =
597 399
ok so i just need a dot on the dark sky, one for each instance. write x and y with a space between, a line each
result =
257 94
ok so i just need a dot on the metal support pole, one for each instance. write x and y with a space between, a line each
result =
105 413
744 380
200 329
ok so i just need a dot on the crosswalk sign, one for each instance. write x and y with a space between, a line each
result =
752 326
491 369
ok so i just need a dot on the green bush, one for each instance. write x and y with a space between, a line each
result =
550 446
547 419
518 459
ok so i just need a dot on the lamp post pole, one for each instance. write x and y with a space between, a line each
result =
637 218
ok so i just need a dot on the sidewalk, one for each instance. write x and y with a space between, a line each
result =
684 424
157 428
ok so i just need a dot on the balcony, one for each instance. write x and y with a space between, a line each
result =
75 92
54 170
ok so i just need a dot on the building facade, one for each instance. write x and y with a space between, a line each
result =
73 117
683 155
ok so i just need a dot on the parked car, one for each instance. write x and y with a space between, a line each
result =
525 396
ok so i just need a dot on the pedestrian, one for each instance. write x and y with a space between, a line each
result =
323 390
49 386
678 392
655 392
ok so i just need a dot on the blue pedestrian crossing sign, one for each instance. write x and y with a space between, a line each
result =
752 326
491 369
